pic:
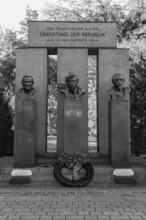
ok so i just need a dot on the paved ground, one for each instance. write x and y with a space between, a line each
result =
57 203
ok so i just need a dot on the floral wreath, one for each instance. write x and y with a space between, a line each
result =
73 161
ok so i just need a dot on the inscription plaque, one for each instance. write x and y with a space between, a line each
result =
25 133
118 105
71 34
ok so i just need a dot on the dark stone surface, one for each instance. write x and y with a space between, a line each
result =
103 34
33 61
121 165
120 131
109 62
24 150
76 61
72 126
118 91
60 122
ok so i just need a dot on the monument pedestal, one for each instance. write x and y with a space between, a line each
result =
72 126
120 132
72 131
24 149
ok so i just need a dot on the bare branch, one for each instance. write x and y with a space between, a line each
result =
140 35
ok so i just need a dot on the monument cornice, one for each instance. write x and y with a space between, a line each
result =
72 21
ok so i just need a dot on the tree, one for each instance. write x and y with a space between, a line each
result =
7 76
92 105
6 122
9 40
52 95
8 43
138 107
30 16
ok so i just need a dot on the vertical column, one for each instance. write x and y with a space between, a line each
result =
73 126
110 61
33 61
25 133
76 61
120 132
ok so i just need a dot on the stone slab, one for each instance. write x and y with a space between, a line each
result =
120 131
73 126
34 61
24 148
110 61
72 60
72 34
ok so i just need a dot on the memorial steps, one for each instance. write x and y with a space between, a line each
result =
43 174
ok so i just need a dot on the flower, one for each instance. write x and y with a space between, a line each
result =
70 159
21 172
123 172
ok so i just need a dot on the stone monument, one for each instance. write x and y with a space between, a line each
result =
72 42
73 117
25 124
120 123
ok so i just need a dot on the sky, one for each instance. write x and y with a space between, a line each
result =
13 11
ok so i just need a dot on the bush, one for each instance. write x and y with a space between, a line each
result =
6 123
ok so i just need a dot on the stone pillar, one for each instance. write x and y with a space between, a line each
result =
25 133
33 61
73 126
110 61
76 61
120 132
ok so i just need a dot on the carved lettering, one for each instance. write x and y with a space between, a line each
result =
25 107
74 34
120 106
73 110
88 34
54 34
64 34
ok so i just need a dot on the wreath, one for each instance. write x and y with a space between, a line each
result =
73 169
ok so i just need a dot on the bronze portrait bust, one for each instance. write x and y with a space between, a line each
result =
71 90
27 90
118 91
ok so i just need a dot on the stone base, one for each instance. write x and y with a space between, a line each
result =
128 180
121 165
103 174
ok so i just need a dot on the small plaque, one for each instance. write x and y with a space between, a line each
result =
73 110
72 34
119 105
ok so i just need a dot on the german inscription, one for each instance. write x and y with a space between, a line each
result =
73 109
120 105
73 34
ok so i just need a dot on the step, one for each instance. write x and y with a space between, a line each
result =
44 175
